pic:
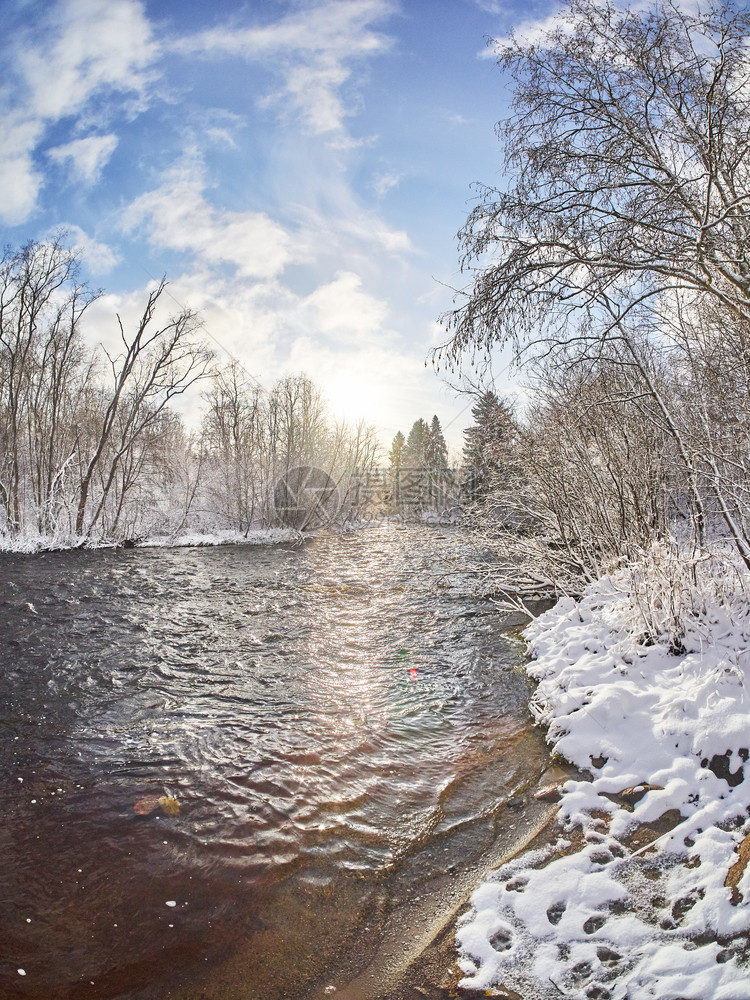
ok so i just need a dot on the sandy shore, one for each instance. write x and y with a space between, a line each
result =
416 955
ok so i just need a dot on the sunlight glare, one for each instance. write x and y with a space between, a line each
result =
352 398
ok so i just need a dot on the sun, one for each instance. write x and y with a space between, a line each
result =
354 398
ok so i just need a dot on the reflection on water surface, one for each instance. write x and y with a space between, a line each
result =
336 719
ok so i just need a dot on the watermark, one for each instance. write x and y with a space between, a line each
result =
405 490
306 497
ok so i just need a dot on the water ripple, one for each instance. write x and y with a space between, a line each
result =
319 711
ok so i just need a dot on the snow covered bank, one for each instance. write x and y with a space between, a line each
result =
610 920
28 543
262 536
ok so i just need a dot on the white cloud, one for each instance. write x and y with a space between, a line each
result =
82 47
221 137
19 179
75 50
268 320
529 32
311 48
328 225
342 309
86 157
383 183
100 258
313 90
339 224
492 6
534 31
452 118
339 335
179 217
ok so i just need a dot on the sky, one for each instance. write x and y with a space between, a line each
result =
298 169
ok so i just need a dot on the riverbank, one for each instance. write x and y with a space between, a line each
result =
643 891
30 544
416 946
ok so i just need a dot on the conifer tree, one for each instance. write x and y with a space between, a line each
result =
396 459
417 445
488 443
396 454
413 478
437 450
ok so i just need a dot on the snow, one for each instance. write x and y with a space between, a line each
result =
260 536
30 543
609 921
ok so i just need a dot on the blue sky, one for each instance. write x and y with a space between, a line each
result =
298 170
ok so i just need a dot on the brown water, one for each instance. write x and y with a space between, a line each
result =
338 720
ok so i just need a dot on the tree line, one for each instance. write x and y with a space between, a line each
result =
90 447
615 260
418 477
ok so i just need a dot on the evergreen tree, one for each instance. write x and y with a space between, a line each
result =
440 482
417 445
413 480
396 459
437 450
396 454
488 443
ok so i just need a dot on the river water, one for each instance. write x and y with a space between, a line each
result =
338 720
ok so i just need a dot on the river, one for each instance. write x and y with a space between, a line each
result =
339 721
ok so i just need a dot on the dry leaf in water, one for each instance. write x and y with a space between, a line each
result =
146 805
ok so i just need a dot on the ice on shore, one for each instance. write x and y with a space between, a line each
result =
605 922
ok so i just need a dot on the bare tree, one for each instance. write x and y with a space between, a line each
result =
158 363
253 439
233 444
625 225
89 443
43 368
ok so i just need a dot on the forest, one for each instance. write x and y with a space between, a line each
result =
93 450
613 261
92 447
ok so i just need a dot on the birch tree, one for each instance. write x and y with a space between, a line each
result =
235 445
627 161
44 369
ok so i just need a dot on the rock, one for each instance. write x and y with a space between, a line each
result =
737 870
720 764
595 923
550 793
499 992
636 792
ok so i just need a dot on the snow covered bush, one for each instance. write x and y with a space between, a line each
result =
673 589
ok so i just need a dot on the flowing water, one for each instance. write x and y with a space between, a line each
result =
338 720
